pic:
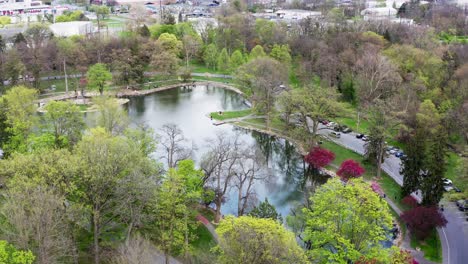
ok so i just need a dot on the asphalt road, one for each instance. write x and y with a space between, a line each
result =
454 237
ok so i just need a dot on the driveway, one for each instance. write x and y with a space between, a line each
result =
454 237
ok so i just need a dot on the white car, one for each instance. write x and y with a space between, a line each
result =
447 181
448 188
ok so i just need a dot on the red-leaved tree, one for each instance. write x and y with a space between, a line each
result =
350 169
421 220
410 201
319 157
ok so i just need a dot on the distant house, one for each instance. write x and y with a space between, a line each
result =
67 29
379 13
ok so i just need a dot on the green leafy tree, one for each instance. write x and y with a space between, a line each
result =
281 53
237 59
310 102
66 122
210 55
4 20
107 167
9 254
170 43
248 239
223 61
347 221
20 117
98 75
265 77
111 116
257 52
173 217
102 12
266 210
13 67
381 124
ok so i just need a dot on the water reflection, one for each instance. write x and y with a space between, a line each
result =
188 108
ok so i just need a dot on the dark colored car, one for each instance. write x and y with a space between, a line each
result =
359 135
346 130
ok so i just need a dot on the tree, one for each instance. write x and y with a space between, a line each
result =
20 117
210 55
319 157
381 124
237 59
174 144
265 77
9 254
14 67
191 45
248 171
350 169
256 240
421 220
223 61
266 210
257 52
432 185
98 75
281 53
165 62
37 219
66 122
106 164
170 43
312 103
218 164
129 66
111 116
413 167
101 13
33 50
173 222
347 221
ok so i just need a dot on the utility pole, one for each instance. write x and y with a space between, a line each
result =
66 79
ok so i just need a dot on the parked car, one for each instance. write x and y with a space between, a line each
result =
448 188
335 134
462 205
346 130
359 135
331 124
404 156
388 148
398 154
447 181
365 138
456 189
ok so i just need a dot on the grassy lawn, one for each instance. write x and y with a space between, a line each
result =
202 68
215 79
231 114
431 247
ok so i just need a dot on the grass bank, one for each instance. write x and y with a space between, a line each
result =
230 114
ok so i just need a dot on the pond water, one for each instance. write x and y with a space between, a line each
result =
189 109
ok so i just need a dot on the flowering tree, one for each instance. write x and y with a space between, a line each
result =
350 169
375 186
319 157
421 220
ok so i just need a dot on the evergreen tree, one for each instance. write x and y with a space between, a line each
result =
223 61
210 55
237 59
432 185
266 210
256 52
413 165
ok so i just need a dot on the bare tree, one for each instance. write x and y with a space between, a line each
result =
137 250
377 77
219 166
248 170
36 218
174 144
190 46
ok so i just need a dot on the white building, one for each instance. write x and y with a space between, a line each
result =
67 29
20 7
379 13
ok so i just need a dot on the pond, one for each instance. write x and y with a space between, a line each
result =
189 109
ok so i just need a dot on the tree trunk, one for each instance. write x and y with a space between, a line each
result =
379 160
96 235
218 210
